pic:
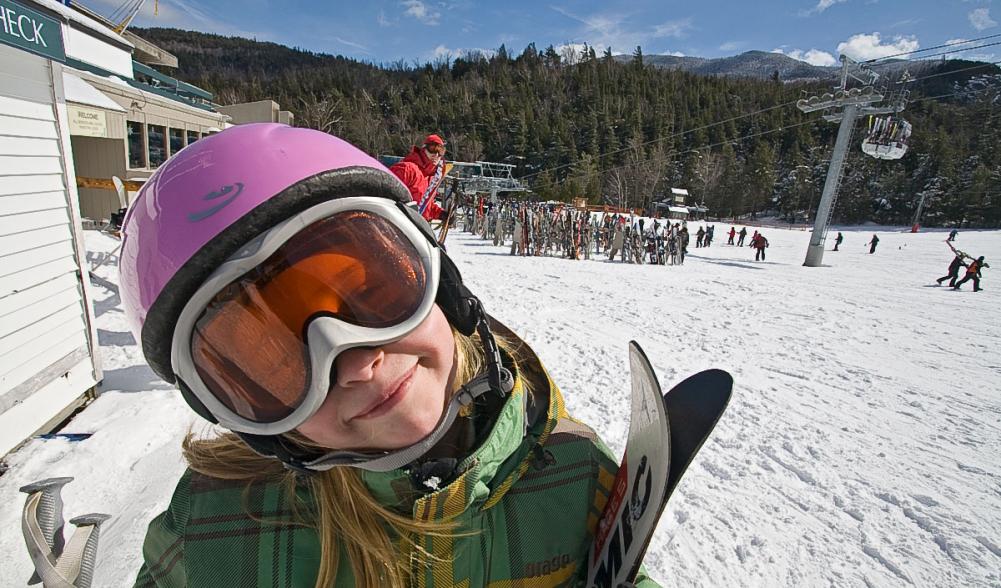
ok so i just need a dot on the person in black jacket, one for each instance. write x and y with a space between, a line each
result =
972 273
953 275
873 242
837 242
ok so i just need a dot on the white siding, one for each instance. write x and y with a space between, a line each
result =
46 328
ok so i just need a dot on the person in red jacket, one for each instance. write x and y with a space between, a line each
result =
421 172
759 243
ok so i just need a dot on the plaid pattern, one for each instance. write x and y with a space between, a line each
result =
532 503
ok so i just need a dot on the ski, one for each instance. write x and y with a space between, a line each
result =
452 199
665 433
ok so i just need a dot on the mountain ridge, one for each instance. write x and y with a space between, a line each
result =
759 64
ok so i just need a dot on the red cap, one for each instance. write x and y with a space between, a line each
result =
434 140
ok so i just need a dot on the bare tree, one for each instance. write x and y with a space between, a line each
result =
322 114
615 187
228 96
708 171
463 147
644 170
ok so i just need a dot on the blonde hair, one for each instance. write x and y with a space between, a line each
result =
346 515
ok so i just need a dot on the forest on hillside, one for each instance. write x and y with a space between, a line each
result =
586 124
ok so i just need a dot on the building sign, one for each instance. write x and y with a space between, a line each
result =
27 29
87 122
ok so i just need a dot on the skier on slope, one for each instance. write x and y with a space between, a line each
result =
760 244
872 243
376 434
732 234
421 172
837 242
953 275
972 273
743 233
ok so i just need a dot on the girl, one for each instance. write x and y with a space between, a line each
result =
376 431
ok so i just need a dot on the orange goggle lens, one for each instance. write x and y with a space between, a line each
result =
249 345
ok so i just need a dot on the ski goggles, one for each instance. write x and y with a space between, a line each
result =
256 343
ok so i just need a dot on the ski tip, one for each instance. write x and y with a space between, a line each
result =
717 378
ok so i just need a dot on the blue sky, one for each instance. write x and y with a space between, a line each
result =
815 31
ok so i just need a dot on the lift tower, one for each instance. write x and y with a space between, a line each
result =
854 103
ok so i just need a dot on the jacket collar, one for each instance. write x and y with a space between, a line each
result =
493 467
418 157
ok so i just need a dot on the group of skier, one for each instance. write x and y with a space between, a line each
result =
555 229
973 269
871 244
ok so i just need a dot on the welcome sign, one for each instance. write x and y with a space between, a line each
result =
87 122
31 30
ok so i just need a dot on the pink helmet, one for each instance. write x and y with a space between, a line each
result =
213 197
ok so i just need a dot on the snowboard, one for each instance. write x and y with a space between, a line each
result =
666 431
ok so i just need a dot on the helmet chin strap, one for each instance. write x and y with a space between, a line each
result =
497 379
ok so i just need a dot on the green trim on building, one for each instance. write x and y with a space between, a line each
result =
31 30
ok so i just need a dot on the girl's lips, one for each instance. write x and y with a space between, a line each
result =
391 397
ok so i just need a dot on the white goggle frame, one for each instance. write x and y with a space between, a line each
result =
326 337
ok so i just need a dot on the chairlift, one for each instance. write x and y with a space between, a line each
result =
887 137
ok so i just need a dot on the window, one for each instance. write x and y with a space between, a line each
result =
176 140
192 137
155 135
137 153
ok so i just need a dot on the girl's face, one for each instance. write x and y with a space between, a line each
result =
387 397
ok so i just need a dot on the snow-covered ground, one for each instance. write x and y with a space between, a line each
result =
862 445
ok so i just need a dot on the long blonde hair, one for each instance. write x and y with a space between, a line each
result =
345 514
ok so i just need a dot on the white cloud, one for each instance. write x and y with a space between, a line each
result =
673 28
358 46
421 11
731 45
673 53
183 14
821 6
613 30
981 19
870 46
812 56
382 20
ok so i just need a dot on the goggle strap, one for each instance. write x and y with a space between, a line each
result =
501 379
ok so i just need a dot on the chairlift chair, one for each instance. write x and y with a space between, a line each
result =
887 137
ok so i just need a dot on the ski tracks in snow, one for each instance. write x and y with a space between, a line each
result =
861 446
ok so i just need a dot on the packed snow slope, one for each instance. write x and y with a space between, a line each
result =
862 445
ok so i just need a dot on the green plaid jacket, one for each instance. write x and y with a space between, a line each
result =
532 501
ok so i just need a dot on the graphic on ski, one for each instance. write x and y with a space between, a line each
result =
665 433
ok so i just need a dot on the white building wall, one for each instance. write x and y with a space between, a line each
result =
48 345
84 46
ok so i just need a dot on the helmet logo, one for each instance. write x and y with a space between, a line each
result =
230 191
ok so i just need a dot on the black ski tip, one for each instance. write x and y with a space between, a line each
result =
694 406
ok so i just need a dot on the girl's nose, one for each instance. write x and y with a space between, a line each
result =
358 365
